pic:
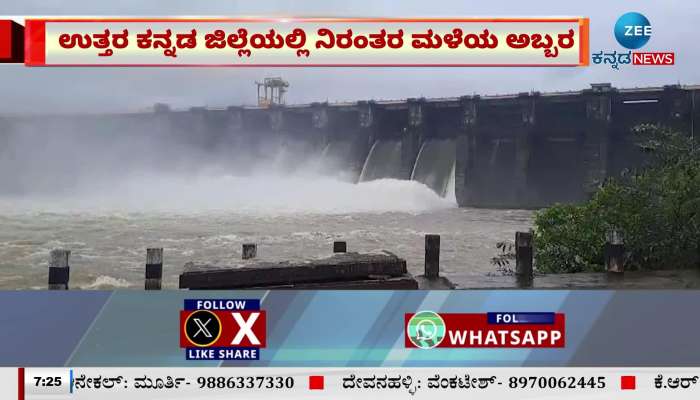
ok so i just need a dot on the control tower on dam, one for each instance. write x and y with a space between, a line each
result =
522 150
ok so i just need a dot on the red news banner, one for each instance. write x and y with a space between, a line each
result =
307 42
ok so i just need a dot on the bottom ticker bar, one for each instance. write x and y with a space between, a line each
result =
351 383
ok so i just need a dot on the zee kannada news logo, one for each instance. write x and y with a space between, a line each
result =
222 329
633 31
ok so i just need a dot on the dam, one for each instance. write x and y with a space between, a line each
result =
524 150
294 179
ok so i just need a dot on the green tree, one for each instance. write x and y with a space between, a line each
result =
656 207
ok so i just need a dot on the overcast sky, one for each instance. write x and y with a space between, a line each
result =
675 26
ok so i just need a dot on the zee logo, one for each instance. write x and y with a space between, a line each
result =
222 329
632 30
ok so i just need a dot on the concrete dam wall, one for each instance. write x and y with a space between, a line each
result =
524 150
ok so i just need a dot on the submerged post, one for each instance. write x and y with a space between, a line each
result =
614 252
340 247
59 270
250 250
154 269
432 256
523 254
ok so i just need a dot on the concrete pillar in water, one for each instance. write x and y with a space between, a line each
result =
320 124
523 149
250 250
368 120
465 160
59 269
614 252
598 129
523 257
154 269
412 136
340 247
432 256
367 115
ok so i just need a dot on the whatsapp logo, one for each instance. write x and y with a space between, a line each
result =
426 329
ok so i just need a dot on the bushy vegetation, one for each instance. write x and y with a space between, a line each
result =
657 209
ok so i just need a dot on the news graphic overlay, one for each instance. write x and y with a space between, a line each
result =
428 330
267 42
11 42
367 383
633 31
222 329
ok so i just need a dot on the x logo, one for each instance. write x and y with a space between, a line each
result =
245 328
202 328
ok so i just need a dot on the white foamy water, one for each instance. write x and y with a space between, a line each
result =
255 195
207 220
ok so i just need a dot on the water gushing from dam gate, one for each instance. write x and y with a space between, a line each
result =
383 161
435 165
106 194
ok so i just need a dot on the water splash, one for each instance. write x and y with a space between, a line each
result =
257 194
104 282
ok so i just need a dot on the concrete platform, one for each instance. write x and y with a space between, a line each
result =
386 271
341 271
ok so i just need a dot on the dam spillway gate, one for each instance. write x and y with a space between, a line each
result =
522 151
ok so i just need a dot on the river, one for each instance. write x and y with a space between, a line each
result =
206 219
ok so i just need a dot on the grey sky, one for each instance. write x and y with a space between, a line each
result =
674 22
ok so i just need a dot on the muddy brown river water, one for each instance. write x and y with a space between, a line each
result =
108 234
